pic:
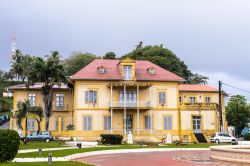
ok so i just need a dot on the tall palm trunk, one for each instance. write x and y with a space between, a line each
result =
38 125
47 99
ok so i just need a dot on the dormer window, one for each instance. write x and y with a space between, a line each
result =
101 70
127 70
151 71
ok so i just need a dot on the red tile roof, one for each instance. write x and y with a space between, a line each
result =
90 72
37 85
197 88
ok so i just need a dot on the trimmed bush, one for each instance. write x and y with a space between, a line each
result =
111 139
247 137
9 145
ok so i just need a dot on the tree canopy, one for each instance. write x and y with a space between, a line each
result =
76 62
237 112
49 71
166 59
109 55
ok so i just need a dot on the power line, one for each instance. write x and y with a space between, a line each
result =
236 87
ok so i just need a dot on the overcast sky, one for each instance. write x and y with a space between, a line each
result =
212 37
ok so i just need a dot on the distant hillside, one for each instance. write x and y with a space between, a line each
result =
3 85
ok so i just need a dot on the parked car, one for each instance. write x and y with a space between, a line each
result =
245 131
41 136
223 138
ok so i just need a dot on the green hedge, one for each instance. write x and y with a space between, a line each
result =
111 139
9 145
247 137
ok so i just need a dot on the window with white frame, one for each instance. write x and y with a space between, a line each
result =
147 121
207 99
162 97
107 122
32 99
59 101
90 96
127 71
30 124
167 122
87 123
151 71
192 99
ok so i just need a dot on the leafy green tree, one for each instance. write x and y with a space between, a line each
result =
2 73
237 112
49 71
26 64
109 55
25 110
197 79
76 62
166 59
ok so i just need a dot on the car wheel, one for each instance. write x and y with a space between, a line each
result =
217 141
233 142
25 140
47 140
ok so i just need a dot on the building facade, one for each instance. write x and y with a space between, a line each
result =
123 96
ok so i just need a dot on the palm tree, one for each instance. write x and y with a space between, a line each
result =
24 110
16 66
50 72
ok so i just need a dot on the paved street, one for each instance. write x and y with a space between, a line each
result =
174 158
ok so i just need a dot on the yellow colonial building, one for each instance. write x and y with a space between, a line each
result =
123 96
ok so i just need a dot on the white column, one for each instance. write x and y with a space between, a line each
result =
111 111
138 113
151 114
124 105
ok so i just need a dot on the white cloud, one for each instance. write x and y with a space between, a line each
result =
233 80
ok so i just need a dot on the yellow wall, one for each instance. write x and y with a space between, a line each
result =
21 95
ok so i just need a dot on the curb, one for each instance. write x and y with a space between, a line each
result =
117 151
45 149
105 152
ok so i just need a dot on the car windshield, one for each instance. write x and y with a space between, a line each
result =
220 134
226 135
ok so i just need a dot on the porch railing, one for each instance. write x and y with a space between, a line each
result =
198 106
129 104
64 107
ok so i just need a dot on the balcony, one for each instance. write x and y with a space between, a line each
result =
61 108
130 104
198 106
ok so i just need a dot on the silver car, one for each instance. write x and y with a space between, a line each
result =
41 136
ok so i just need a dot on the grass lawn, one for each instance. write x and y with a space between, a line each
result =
45 163
41 144
62 153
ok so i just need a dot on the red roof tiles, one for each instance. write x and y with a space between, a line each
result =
113 72
37 85
197 88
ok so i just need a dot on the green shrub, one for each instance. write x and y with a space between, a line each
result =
247 137
111 139
177 142
9 145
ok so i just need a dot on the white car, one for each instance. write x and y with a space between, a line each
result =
223 138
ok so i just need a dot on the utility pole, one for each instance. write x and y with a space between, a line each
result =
220 106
